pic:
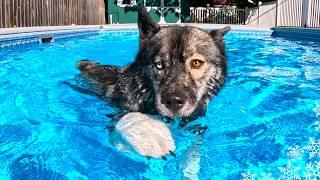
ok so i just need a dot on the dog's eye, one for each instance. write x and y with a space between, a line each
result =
196 63
159 65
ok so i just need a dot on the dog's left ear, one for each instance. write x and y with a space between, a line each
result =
219 33
147 28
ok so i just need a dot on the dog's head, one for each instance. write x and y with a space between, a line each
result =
185 64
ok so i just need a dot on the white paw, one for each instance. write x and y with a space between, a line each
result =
147 134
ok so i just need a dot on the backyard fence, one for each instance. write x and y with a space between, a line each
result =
313 18
218 15
299 13
296 13
24 13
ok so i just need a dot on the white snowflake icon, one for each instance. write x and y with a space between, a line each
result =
313 171
316 110
266 176
248 175
289 172
295 153
313 148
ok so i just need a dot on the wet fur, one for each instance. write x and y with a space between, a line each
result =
140 86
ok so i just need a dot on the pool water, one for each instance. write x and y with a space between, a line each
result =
265 123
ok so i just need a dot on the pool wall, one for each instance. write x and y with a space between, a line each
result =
300 33
19 36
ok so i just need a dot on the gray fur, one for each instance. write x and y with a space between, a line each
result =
142 87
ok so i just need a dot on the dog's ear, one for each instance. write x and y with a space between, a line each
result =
147 28
218 35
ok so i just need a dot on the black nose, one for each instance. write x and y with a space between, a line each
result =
174 100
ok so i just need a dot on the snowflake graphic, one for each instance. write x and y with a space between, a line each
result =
313 148
248 175
317 126
289 172
316 110
313 171
266 176
263 176
295 153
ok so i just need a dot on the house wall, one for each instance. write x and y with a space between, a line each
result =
124 15
121 14
252 17
265 15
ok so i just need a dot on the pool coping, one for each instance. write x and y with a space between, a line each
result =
30 32
33 34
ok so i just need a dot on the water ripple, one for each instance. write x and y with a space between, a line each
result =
51 131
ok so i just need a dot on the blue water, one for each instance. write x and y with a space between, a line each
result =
270 103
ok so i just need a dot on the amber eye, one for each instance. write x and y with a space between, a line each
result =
196 63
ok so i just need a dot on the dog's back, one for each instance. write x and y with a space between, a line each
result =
106 74
126 86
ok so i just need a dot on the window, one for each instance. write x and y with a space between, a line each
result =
125 3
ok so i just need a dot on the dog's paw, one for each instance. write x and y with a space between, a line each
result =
146 134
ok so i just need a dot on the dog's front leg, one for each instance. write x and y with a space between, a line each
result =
199 112
144 134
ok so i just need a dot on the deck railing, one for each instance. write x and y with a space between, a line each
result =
218 15
293 13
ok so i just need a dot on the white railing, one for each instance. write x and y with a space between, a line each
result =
218 15
294 13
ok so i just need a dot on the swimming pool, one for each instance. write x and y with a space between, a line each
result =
264 123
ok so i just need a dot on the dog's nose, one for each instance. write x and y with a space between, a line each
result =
173 101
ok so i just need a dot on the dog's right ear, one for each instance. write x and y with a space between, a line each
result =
147 28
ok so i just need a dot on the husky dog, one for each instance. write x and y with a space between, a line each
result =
177 70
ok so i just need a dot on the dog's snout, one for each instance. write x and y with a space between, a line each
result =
174 100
